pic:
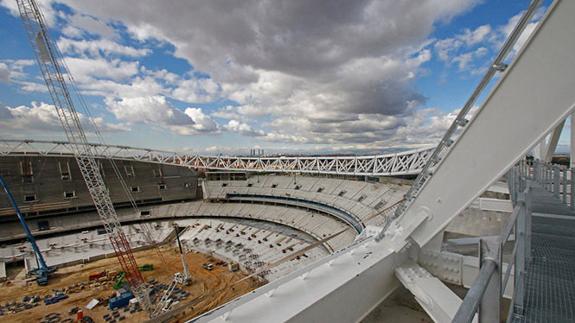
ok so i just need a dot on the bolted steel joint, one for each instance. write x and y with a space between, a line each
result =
500 67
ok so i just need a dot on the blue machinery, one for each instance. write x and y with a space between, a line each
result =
42 270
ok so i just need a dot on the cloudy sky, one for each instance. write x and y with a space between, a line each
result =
224 76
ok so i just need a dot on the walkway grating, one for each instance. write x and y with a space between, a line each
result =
550 277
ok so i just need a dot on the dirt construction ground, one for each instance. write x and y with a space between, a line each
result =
208 290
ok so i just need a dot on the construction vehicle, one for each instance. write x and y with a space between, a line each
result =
120 301
53 299
43 270
208 266
120 281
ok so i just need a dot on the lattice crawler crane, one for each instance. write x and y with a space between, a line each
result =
65 98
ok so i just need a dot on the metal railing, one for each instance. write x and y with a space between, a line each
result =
485 295
462 119
556 179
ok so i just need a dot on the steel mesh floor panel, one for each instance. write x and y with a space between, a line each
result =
550 277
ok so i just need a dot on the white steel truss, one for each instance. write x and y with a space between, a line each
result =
403 163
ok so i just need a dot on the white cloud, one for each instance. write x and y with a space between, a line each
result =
301 72
41 116
505 30
91 25
136 87
13 69
202 122
45 7
472 37
196 90
152 110
465 48
95 47
242 128
323 62
85 70
445 48
33 87
231 112
158 112
464 60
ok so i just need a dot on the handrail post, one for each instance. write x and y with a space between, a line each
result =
546 177
522 256
556 180
511 184
540 171
517 183
546 183
528 218
550 178
490 305
564 183
543 174
571 186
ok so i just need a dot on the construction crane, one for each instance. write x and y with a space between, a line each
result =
66 97
60 85
186 278
42 269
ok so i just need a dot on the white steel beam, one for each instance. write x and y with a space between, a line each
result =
438 301
532 97
340 288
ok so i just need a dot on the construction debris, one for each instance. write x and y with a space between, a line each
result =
73 291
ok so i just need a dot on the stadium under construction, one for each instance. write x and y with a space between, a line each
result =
475 229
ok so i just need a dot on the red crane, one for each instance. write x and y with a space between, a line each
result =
66 98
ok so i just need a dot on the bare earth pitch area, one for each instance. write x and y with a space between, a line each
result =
209 289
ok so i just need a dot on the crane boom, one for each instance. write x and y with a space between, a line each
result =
59 83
